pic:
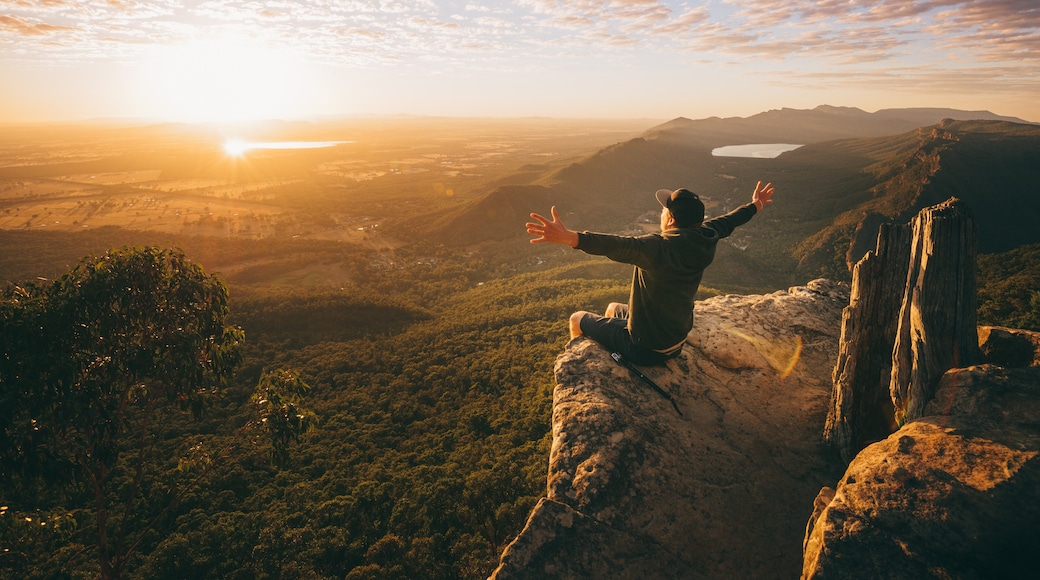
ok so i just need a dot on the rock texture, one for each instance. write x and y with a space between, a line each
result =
636 491
953 494
910 318
937 319
861 408
1009 347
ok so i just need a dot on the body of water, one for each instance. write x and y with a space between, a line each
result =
758 150
239 146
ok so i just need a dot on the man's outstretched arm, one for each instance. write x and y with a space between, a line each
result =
552 231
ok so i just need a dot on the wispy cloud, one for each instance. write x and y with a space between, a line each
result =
996 30
893 24
25 27
976 81
967 45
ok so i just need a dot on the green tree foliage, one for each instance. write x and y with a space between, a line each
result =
1009 288
432 375
92 364
278 400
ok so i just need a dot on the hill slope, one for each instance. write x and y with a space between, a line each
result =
828 190
991 165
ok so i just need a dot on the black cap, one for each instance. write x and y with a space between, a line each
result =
686 208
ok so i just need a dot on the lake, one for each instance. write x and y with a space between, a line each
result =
238 147
758 150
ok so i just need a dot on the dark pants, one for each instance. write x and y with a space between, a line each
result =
612 333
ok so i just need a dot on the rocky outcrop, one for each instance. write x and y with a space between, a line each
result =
953 494
937 319
722 490
910 318
1009 347
637 491
861 408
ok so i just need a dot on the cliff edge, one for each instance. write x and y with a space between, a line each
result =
637 491
938 420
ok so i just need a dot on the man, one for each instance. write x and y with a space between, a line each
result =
652 327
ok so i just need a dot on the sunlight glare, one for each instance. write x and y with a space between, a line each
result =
781 354
222 79
235 147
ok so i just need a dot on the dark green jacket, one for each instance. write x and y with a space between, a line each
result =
668 270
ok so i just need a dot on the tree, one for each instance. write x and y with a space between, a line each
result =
91 364
277 403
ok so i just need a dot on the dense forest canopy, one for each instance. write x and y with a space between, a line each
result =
430 445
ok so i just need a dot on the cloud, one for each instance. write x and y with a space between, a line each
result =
914 80
37 4
685 22
839 31
24 27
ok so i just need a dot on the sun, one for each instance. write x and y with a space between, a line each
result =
236 147
224 79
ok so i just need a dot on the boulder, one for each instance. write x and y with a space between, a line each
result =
953 494
1009 347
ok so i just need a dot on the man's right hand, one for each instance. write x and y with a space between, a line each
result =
552 231
763 195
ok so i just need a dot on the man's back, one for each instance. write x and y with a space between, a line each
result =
668 271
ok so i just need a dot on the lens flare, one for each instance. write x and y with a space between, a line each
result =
782 355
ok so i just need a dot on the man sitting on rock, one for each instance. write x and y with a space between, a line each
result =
652 327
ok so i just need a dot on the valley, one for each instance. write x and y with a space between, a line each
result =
392 271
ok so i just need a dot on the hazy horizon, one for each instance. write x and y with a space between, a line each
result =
203 61
251 124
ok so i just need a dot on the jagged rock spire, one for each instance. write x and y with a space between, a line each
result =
861 407
911 317
937 321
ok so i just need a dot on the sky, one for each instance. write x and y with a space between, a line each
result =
192 60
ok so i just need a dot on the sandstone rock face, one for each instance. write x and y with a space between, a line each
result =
861 407
954 494
937 321
911 317
637 491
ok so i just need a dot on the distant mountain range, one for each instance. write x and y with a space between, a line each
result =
823 123
855 171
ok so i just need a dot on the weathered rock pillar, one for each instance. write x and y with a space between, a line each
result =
937 320
861 407
911 317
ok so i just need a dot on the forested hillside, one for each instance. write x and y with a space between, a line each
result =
1009 288
432 403
831 195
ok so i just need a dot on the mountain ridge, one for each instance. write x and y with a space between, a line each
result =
825 122
827 189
